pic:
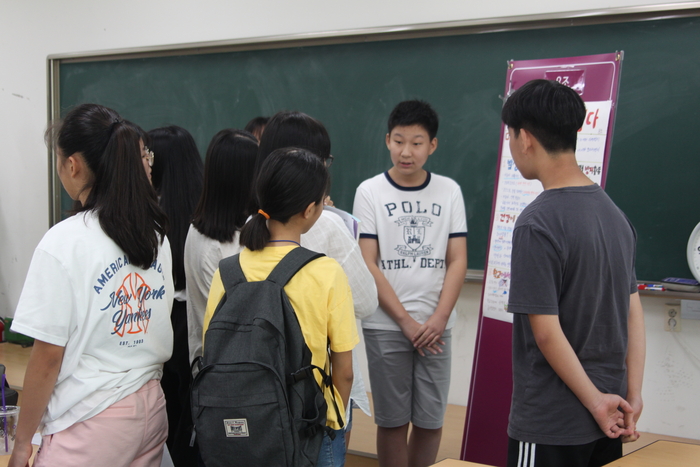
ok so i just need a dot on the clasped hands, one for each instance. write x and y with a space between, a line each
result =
616 417
426 336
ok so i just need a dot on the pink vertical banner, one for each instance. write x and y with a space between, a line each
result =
596 78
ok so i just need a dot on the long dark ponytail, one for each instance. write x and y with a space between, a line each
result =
288 181
119 192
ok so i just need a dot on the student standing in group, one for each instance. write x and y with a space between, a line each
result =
328 235
222 211
256 126
177 178
97 301
147 157
289 190
413 237
578 324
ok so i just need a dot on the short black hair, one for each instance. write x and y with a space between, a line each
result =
294 129
552 112
414 112
228 180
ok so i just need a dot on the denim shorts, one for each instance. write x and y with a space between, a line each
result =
332 453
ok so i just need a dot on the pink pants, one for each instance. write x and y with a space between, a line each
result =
129 433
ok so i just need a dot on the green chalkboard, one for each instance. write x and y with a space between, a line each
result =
654 172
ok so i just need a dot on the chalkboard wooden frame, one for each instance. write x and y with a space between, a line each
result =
533 22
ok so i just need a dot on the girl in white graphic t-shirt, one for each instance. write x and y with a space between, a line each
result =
97 302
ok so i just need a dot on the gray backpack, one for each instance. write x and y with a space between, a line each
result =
255 401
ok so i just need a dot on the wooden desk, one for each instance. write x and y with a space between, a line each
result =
662 454
657 454
15 358
456 463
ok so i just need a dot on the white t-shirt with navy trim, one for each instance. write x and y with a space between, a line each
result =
412 226
112 317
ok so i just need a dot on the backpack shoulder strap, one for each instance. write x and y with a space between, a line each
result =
291 264
231 272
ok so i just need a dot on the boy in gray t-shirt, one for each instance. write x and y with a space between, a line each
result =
578 325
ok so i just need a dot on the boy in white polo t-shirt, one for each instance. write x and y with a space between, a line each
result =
413 238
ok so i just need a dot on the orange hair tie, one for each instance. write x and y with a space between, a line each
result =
264 214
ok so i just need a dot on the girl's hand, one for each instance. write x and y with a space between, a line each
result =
21 454
328 201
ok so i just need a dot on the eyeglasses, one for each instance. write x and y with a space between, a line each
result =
148 155
328 161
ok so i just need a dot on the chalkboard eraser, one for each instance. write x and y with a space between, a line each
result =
681 285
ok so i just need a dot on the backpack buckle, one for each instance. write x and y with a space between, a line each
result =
299 375
310 431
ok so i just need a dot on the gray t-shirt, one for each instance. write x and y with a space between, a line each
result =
573 256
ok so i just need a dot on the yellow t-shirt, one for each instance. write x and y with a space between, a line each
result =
321 298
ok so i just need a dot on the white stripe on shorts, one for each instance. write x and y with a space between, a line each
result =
526 450
520 454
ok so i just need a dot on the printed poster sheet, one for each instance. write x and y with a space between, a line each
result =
514 193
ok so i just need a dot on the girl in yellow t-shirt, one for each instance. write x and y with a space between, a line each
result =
290 189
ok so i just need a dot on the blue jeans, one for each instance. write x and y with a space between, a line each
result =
332 452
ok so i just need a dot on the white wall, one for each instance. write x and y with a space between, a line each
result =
672 375
32 29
